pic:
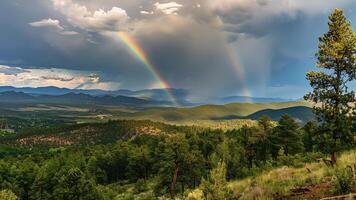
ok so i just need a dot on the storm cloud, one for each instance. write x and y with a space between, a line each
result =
210 47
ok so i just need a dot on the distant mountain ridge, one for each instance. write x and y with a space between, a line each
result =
78 99
181 95
137 108
159 95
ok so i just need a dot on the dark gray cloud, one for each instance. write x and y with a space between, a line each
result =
212 47
276 40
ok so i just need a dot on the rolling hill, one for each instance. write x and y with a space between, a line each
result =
88 134
302 114
300 110
84 106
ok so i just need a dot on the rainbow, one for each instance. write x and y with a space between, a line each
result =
240 71
139 53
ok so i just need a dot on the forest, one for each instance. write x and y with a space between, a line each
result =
169 165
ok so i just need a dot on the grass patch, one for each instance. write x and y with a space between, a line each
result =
281 180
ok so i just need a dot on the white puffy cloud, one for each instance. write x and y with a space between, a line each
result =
6 70
144 12
57 78
69 33
41 77
95 78
168 8
50 23
99 20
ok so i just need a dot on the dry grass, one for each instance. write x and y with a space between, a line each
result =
283 179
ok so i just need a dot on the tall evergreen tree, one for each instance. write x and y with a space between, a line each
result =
309 131
139 162
264 144
177 162
287 136
215 186
74 185
336 58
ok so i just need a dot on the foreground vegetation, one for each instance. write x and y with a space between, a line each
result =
177 162
301 180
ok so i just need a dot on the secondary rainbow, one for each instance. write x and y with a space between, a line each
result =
137 50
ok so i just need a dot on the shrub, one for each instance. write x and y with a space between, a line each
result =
140 186
195 195
7 195
215 186
343 182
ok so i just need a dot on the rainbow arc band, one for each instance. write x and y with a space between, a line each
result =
140 54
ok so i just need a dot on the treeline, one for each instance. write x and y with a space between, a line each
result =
18 124
93 133
170 164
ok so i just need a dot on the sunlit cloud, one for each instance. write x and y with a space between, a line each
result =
19 77
53 24
99 20
168 8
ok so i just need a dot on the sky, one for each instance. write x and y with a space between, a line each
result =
213 48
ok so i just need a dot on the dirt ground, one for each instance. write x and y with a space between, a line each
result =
311 191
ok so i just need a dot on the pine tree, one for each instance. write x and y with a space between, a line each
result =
264 144
215 186
336 58
74 185
309 131
178 162
287 136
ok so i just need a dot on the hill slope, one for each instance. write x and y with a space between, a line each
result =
88 134
300 113
311 181
228 111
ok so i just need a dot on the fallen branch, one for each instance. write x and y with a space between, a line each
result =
339 197
308 170
327 162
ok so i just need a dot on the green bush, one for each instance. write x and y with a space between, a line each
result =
125 196
215 186
343 182
140 186
7 195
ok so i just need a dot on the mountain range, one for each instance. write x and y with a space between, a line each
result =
151 109
78 99
152 95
